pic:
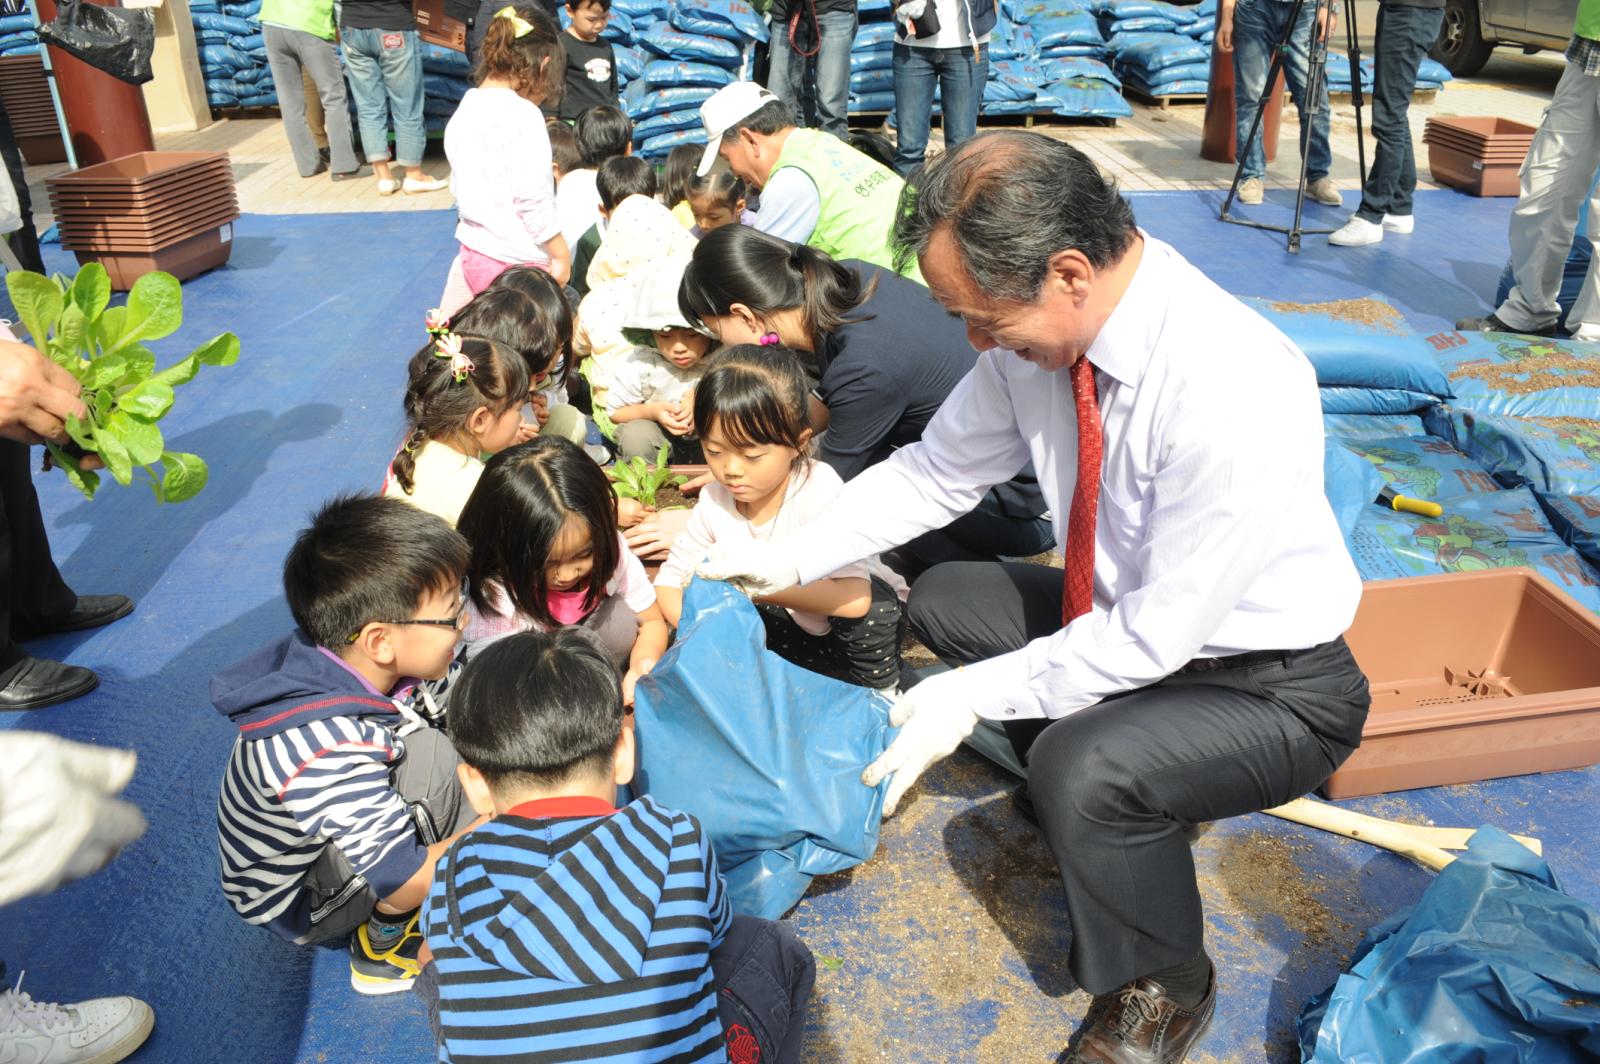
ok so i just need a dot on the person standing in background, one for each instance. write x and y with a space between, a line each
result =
591 62
314 118
1406 30
810 60
299 35
384 57
943 43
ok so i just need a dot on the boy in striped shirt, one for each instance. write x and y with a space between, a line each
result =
567 929
341 792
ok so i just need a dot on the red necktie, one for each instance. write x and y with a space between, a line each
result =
1078 598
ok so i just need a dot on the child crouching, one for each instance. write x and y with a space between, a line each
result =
568 929
341 791
651 399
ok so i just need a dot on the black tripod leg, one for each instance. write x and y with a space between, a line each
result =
1311 94
1353 45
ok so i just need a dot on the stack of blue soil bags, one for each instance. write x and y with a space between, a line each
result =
446 77
233 55
1430 74
687 49
1160 49
18 35
1499 430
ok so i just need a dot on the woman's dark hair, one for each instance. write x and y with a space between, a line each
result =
682 162
534 63
515 514
738 264
365 558
437 405
603 132
537 709
1010 200
755 396
563 146
622 176
550 324
724 187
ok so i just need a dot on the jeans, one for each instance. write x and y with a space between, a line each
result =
1556 177
786 77
960 81
1403 37
385 68
1258 26
1116 785
289 52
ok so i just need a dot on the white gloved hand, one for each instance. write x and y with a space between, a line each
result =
757 569
59 817
933 718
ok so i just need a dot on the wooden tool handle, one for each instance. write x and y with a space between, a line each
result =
1385 833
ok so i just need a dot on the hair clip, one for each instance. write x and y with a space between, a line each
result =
436 323
768 339
449 346
521 27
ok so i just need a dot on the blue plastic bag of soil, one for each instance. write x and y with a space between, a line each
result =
262 99
16 24
445 61
1372 426
1148 24
877 35
1494 963
1088 97
1484 530
1024 11
1074 67
1003 88
1070 51
1026 69
1040 103
630 63
1186 87
1360 343
436 88
1120 9
871 59
236 27
1152 51
729 19
242 8
1423 467
667 122
1349 482
1525 376
252 76
255 44
877 101
433 107
874 9
667 73
1190 72
766 755
660 101
663 143
1066 29
202 37
1559 454
870 81
228 87
220 56
1433 70
634 8
669 43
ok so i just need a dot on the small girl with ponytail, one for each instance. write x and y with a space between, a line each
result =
716 200
751 409
499 156
464 399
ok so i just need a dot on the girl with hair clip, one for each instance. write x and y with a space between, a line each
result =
464 399
716 200
500 157
682 162
752 411
532 315
883 356
542 524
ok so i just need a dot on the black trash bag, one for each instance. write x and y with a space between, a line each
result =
112 39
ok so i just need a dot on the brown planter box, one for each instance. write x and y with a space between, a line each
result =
1513 153
140 171
40 148
1474 676
183 260
1481 129
155 218
191 186
1476 177
124 243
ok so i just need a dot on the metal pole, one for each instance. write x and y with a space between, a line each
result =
55 96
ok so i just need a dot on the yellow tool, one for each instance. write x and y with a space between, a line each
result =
1422 844
1406 504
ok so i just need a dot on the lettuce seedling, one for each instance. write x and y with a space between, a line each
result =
639 480
73 323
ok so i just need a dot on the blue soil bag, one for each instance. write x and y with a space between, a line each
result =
1122 9
876 101
630 63
1088 97
634 8
1148 24
16 24
1185 72
1077 67
767 756
669 43
1149 52
661 101
445 61
730 19
228 24
663 143
1558 454
667 122
871 81
1350 483
435 87
1525 376
1423 467
1372 426
667 73
1066 29
222 57
1495 963
871 59
879 35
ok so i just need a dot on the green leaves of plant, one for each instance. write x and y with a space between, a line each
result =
72 320
637 479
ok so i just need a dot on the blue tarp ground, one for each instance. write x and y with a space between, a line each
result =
948 945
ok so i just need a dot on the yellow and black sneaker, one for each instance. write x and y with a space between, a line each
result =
391 970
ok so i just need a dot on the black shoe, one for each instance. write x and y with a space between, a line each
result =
1494 324
326 155
38 682
91 611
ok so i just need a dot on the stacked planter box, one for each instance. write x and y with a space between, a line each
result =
33 114
154 210
1480 156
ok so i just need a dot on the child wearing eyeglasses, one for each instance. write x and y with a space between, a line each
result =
341 791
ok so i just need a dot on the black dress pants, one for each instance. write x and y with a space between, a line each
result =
25 241
32 593
1116 785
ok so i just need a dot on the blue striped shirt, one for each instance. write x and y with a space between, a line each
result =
572 936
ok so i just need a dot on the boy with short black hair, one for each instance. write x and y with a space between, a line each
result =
618 178
566 928
341 792
601 133
591 62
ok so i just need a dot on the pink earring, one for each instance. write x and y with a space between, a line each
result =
769 339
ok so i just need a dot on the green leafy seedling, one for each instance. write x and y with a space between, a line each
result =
72 321
640 480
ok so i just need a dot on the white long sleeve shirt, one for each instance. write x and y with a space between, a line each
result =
1213 535
500 173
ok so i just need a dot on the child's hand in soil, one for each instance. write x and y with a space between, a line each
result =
652 538
631 511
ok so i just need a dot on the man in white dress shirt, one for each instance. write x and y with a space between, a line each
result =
1188 664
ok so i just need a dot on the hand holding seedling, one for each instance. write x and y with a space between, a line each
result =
933 718
36 396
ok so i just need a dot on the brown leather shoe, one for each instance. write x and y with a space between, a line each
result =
1139 1024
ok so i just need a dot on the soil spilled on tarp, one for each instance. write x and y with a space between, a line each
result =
1373 313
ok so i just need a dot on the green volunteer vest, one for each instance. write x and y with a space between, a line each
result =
313 16
859 198
1588 25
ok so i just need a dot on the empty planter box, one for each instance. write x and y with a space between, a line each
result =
1480 156
1474 676
153 210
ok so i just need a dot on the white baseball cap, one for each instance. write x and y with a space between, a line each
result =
726 107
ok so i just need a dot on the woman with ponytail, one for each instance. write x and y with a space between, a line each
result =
883 356
499 156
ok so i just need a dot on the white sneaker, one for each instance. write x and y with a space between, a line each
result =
417 181
1357 232
1251 190
101 1031
1399 223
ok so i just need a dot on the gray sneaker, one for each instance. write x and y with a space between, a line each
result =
1492 323
1251 190
1323 190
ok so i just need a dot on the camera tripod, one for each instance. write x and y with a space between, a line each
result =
1316 78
